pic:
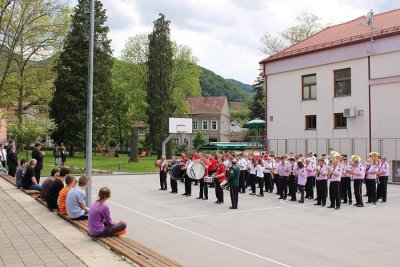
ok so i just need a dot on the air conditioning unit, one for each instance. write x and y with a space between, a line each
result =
349 112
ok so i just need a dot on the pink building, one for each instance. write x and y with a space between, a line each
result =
3 128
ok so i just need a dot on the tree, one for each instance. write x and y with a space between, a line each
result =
308 24
159 83
257 107
199 140
31 130
68 106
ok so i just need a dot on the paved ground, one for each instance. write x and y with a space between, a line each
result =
30 235
262 232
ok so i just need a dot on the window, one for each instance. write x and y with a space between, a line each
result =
176 141
214 125
185 140
342 82
195 125
140 132
340 121
311 122
205 125
309 85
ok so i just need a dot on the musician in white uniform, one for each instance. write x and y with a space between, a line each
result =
242 164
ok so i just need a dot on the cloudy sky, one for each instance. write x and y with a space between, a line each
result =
225 34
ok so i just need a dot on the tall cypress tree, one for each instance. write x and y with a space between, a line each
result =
159 83
257 107
68 106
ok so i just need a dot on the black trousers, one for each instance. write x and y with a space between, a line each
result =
345 188
321 191
382 188
188 185
358 191
292 187
334 193
242 181
163 180
12 170
268 182
283 181
234 196
37 174
301 190
174 185
277 181
252 182
371 190
247 179
219 193
261 185
203 189
309 187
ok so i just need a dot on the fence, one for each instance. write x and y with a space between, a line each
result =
389 147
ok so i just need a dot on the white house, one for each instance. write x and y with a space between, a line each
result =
338 89
236 127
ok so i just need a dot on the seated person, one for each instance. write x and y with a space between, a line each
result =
21 169
29 181
100 222
70 183
55 188
76 198
46 183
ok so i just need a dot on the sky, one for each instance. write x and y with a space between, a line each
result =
225 34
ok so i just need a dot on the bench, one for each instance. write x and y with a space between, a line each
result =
32 193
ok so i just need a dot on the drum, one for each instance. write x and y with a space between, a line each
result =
195 170
209 179
224 184
176 172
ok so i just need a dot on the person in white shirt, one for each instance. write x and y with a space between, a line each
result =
242 164
260 176
3 156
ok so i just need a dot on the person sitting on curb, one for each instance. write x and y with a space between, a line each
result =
76 198
100 222
19 176
46 183
29 181
55 188
70 183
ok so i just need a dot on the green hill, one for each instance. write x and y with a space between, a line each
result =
214 85
246 87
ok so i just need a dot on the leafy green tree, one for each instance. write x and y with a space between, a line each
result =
199 140
159 83
68 106
257 107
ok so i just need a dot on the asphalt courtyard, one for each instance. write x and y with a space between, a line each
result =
262 232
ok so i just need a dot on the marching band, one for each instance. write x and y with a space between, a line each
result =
292 175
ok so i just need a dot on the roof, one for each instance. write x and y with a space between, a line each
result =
354 31
206 104
237 105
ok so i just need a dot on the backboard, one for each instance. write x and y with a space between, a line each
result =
180 125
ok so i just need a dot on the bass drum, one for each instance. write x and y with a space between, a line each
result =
195 170
176 172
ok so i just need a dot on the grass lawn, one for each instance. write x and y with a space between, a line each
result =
100 163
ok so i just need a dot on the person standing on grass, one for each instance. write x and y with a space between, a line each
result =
76 200
12 161
38 155
70 183
29 181
100 222
55 188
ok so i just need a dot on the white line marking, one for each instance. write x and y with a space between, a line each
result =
223 213
199 235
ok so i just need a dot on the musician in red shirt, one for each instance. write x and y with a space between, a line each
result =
221 176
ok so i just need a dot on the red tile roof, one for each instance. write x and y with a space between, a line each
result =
237 105
206 104
354 31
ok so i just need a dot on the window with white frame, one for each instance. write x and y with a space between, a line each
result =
205 125
185 140
214 125
195 125
140 132
176 141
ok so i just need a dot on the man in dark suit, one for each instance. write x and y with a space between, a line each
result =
12 161
36 154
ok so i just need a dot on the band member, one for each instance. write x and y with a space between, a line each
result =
252 175
233 180
213 167
242 164
372 178
268 174
220 175
284 175
173 182
188 181
335 174
357 172
383 174
277 178
292 179
301 179
345 182
309 187
321 178
203 186
260 176
162 164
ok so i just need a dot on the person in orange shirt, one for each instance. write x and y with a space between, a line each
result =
70 182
